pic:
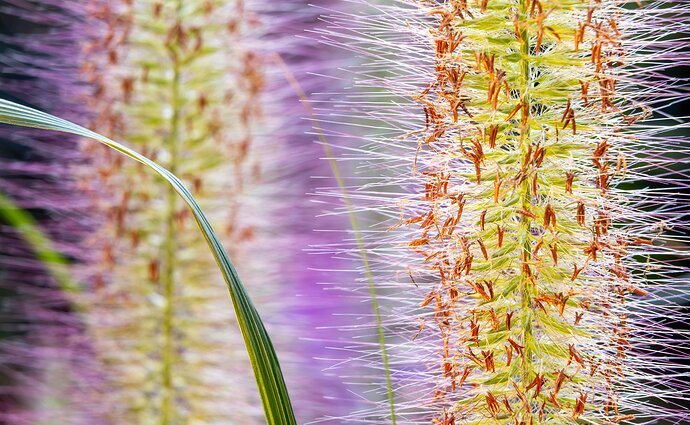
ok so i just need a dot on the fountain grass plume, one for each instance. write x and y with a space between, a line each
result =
49 372
195 86
180 81
521 166
111 51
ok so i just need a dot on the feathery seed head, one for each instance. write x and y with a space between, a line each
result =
512 130
195 85
179 81
49 372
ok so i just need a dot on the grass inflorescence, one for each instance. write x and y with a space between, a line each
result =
181 82
518 256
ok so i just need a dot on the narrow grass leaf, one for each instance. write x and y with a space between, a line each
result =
276 401
43 248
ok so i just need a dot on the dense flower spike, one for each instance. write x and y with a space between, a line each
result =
48 372
181 82
516 134
113 56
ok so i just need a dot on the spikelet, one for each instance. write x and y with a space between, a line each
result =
179 82
47 368
520 242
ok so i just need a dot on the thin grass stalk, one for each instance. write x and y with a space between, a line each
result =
354 223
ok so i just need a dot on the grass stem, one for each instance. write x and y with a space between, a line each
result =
170 247
354 223
524 232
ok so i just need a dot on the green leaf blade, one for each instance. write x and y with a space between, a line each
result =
262 355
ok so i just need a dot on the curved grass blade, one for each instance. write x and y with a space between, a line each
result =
41 244
269 377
